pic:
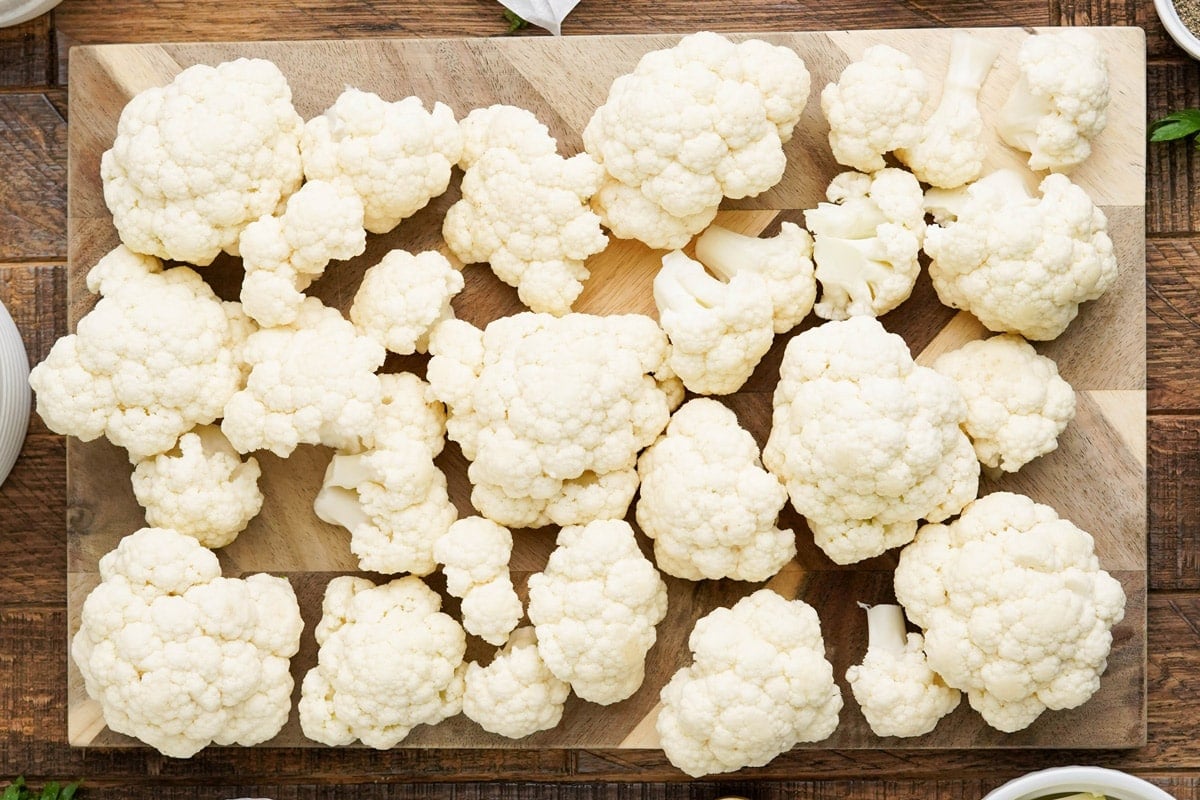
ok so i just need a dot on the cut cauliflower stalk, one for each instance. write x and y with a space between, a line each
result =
1016 610
896 690
759 684
474 553
594 609
866 441
706 501
403 297
515 695
178 656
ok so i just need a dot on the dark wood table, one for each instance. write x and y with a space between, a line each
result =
33 248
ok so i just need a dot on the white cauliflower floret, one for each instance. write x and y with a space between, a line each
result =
719 331
1016 610
156 356
706 501
202 488
397 156
1017 404
875 107
389 660
898 693
507 128
758 685
178 656
694 123
474 553
197 160
407 412
515 695
1019 263
1060 102
284 254
866 441
595 607
403 297
784 261
866 242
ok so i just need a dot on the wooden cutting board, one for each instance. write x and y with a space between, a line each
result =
1096 477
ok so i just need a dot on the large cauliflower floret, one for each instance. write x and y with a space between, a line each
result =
1019 263
759 684
397 155
867 442
866 242
474 553
197 160
202 488
1017 404
692 124
706 501
507 128
595 608
389 660
158 355
178 656
1016 610
515 695
403 297
552 411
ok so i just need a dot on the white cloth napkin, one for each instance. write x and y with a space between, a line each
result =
547 14
14 393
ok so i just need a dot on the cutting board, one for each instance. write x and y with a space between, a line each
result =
1096 477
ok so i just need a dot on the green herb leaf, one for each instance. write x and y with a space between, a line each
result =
69 791
17 790
1177 125
49 791
515 23
13 791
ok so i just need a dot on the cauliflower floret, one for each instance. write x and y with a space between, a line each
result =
1017 404
202 488
507 128
475 553
706 501
197 160
595 608
515 695
719 331
1019 263
896 690
284 254
178 656
1016 610
389 660
1060 102
866 242
875 107
397 155
157 356
694 123
403 297
866 441
759 684
407 412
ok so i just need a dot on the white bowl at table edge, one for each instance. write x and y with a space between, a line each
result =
1058 780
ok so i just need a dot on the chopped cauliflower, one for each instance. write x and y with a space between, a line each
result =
706 501
474 553
515 695
507 128
407 412
403 297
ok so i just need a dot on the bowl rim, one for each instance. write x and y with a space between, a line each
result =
1178 31
1101 780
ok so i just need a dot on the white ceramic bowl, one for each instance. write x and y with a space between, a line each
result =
14 393
14 12
1059 780
1182 35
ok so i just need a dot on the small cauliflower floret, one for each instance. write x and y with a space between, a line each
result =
1019 263
178 656
866 242
875 108
896 690
759 684
784 261
407 412
156 356
719 331
595 608
389 660
284 254
866 441
694 123
515 695
951 148
403 297
706 501
1017 404
507 128
202 488
397 156
474 553
1060 102
197 160
981 587
311 382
